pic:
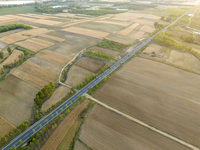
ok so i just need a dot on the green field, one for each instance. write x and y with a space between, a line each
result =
17 10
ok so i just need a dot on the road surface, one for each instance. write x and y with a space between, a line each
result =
46 119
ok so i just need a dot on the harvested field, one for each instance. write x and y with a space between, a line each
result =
70 48
127 30
34 74
57 95
6 127
105 129
157 94
76 75
16 99
120 39
12 38
113 22
11 59
77 22
138 35
90 64
108 51
152 48
97 26
128 16
53 38
35 44
80 146
45 64
185 60
147 29
10 32
60 132
53 57
65 144
87 32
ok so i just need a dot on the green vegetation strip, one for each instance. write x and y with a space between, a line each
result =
111 45
13 27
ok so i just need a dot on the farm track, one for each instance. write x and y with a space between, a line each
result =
142 123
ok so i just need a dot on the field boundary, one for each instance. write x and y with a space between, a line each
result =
142 123
7 122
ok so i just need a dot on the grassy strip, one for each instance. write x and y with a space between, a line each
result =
111 45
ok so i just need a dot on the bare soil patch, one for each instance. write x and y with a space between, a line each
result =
53 37
34 74
152 48
53 57
105 129
108 51
113 22
73 45
87 32
127 30
60 132
6 127
57 95
90 64
15 37
11 59
16 99
157 94
185 60
138 35
120 39
45 64
35 44
80 146
147 29
76 75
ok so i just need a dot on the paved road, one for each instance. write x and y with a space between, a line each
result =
43 121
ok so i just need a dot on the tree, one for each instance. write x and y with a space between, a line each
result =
20 142
9 50
1 55
33 130
156 24
162 18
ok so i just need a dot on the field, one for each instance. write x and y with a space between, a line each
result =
152 48
87 32
60 132
17 10
100 26
124 24
79 146
76 75
147 29
186 60
16 99
46 64
74 43
57 95
158 94
90 64
107 51
127 30
53 57
105 129
11 58
6 127
52 37
34 74
15 37
120 39
65 144
35 44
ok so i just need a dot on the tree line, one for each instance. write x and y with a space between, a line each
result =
115 46
98 55
14 26
44 94
86 81
95 12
